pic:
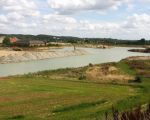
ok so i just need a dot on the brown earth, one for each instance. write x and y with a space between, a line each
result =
137 58
141 67
140 50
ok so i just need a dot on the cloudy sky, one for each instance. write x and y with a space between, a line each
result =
125 19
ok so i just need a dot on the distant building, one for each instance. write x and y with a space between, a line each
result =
22 43
30 43
36 43
13 40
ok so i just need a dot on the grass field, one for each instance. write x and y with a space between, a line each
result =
62 95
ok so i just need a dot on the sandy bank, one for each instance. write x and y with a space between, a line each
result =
95 46
21 56
140 50
138 58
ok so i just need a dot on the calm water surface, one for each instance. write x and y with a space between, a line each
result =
96 56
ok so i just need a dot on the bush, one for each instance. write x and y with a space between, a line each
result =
82 77
7 42
90 65
138 79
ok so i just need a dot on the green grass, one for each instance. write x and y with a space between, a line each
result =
126 68
44 96
79 106
38 97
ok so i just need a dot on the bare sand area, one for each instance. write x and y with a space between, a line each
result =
9 56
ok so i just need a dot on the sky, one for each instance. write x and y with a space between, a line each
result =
121 19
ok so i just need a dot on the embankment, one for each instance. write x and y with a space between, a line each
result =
22 56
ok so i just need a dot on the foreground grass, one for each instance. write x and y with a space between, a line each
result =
60 95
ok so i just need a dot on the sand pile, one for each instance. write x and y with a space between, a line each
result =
21 56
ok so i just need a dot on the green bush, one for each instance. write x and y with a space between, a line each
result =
6 41
138 79
82 77
90 65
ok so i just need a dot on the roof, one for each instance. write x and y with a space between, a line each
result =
30 42
13 39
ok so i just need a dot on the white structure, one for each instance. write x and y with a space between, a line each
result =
1 39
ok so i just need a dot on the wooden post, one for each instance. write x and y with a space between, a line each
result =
74 47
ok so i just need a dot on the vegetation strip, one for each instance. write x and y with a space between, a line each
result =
79 106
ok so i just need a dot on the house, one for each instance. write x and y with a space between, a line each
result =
31 43
13 40
22 43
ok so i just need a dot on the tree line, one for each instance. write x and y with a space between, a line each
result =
70 39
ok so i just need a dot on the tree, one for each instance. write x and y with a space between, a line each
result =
142 41
6 41
137 79
73 42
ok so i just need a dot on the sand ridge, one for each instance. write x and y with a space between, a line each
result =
7 56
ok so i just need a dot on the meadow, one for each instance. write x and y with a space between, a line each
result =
70 94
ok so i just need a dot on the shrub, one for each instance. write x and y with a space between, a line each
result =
90 65
6 41
137 113
138 79
82 77
16 117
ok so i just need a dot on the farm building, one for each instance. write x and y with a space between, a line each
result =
30 43
13 40
36 43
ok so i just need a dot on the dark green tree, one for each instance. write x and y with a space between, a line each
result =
138 79
142 41
6 41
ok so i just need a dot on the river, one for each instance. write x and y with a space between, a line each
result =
96 56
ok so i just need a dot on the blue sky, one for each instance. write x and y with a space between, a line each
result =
122 19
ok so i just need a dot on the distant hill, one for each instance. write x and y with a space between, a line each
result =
68 39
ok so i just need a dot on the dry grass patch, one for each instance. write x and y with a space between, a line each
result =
107 73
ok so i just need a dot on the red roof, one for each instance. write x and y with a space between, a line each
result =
13 40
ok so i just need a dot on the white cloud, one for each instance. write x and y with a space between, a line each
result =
72 6
17 15
135 26
141 21
145 1
24 16
58 18
62 22
26 7
3 19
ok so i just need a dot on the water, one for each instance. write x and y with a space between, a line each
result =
96 56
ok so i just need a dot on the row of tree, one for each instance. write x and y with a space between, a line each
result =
68 39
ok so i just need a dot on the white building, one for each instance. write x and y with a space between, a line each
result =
1 39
